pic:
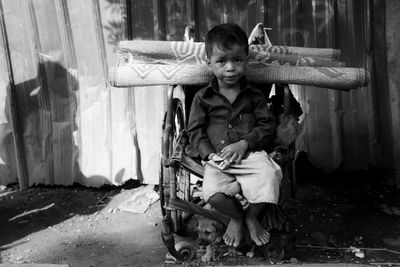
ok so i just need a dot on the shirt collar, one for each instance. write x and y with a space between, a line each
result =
212 87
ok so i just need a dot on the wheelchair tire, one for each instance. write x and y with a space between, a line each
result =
177 126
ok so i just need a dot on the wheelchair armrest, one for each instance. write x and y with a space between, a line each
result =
192 166
179 157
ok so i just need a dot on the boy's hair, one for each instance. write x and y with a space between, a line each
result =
225 36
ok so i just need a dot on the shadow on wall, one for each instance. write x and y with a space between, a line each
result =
46 110
48 126
8 168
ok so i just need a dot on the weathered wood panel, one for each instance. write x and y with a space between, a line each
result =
93 120
8 166
392 44
53 70
76 128
32 100
342 130
124 152
210 13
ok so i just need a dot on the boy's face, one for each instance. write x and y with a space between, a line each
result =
228 65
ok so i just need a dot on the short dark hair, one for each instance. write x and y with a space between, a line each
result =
225 36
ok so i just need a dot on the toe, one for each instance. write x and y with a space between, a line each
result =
258 242
227 240
264 238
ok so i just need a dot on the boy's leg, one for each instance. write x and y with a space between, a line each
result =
218 187
258 234
230 206
259 178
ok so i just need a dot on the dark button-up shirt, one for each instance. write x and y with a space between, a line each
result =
215 123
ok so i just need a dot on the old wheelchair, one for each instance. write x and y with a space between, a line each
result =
180 177
180 65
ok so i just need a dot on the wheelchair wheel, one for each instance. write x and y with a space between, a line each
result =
177 121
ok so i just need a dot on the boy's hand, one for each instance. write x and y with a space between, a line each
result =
218 161
234 152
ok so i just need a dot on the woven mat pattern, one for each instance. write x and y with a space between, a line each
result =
174 52
146 63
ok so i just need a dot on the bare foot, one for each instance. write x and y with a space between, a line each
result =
233 233
258 234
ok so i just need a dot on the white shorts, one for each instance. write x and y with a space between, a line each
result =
257 178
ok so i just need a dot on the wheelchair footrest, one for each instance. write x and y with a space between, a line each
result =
190 207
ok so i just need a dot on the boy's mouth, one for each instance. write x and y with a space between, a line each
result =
231 77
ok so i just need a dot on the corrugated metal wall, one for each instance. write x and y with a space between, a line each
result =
74 127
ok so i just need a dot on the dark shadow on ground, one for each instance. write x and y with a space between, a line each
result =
40 207
340 210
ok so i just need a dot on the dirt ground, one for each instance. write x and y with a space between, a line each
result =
342 218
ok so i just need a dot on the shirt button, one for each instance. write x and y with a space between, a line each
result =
230 126
222 141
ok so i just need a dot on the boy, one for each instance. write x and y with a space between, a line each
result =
230 123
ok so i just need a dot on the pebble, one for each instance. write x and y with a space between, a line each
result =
250 254
360 255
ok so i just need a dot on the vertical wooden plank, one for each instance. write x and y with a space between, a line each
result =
178 14
57 82
393 54
244 13
149 106
12 159
113 26
319 125
355 113
104 64
124 152
142 20
44 103
335 97
31 100
210 13
380 73
72 82
93 111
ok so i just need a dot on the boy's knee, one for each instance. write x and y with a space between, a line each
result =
217 198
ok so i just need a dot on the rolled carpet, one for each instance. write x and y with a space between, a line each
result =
136 74
167 52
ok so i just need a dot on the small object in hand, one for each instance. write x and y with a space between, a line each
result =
219 162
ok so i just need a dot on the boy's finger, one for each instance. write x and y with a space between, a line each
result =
226 154
239 158
235 158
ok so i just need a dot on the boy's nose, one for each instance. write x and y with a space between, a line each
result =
230 66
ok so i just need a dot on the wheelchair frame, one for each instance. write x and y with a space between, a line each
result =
178 205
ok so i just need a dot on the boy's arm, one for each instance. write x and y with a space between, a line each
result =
197 129
264 131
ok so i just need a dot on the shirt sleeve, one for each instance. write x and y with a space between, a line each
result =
197 129
262 135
